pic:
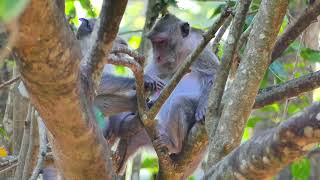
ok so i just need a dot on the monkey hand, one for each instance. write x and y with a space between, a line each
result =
200 113
153 83
203 102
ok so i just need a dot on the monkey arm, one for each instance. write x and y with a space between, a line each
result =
203 101
111 84
111 104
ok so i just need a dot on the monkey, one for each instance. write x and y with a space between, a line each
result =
114 93
172 41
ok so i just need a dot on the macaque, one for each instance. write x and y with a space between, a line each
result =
172 41
115 94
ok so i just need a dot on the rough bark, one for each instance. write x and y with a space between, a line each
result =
223 71
20 108
49 67
246 84
267 153
32 149
288 89
24 144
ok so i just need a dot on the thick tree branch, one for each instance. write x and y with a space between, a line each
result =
106 31
223 71
293 31
49 66
246 84
288 89
265 154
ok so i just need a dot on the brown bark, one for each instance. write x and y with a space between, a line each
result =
265 154
288 89
246 84
49 66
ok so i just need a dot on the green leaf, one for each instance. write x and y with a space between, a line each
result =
3 133
120 70
86 4
134 41
246 134
271 108
278 70
10 9
150 163
310 55
217 10
301 169
253 121
99 117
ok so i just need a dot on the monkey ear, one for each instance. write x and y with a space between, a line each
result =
185 29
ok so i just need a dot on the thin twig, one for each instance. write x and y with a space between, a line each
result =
10 167
29 154
140 59
293 31
42 149
213 113
297 58
24 144
7 83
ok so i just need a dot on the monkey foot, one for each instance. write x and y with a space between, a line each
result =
163 141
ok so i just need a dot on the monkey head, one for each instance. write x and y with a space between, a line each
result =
168 38
85 28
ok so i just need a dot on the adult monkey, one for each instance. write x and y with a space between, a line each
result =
114 94
172 41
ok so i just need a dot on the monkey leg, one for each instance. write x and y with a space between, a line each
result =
123 125
174 129
127 147
111 104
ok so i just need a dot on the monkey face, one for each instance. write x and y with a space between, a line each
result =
167 37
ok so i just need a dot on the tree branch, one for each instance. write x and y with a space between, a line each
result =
49 66
265 154
221 32
7 83
293 31
223 71
42 149
246 84
288 89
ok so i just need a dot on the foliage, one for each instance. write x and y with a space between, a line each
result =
151 164
301 169
10 9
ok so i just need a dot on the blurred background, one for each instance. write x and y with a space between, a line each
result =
302 57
